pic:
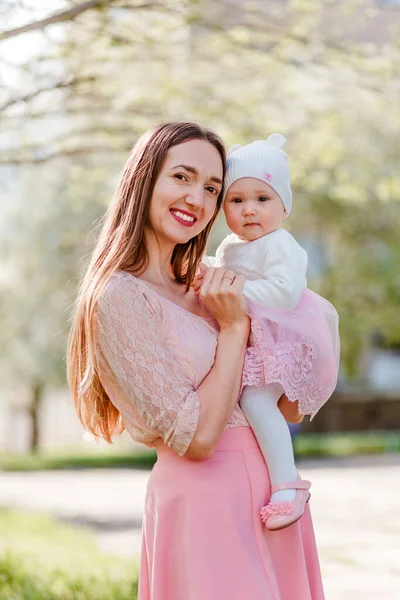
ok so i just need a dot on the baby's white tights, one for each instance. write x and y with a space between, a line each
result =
260 406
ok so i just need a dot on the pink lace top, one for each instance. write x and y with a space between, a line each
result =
153 354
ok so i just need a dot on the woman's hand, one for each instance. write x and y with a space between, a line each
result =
290 410
221 292
198 279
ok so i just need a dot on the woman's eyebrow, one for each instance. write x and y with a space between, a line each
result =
241 193
195 172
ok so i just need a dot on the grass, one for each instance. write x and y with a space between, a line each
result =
41 559
77 459
307 445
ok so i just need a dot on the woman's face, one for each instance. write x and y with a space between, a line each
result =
186 191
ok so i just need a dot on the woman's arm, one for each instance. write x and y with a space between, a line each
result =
290 410
136 362
219 391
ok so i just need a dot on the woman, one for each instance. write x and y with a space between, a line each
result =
148 355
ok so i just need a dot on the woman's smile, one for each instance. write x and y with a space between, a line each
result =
182 216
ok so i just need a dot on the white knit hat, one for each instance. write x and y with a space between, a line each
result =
264 160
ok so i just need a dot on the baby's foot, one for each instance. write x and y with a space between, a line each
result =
281 512
283 495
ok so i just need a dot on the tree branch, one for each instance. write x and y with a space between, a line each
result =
53 86
71 14
67 15
84 110
85 151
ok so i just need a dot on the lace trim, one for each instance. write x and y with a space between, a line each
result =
185 425
289 363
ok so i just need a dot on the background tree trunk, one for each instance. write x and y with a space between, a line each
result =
37 395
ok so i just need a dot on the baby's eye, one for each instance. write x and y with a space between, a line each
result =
236 200
263 198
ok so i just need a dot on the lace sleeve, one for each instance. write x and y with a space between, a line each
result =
133 341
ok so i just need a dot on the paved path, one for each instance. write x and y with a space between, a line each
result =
355 506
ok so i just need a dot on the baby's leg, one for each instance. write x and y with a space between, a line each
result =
260 406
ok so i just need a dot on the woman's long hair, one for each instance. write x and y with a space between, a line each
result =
121 246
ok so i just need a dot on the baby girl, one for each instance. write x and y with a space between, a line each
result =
294 344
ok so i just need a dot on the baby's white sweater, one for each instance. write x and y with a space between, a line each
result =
274 265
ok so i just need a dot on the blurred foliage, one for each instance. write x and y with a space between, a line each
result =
325 74
42 240
79 459
312 445
44 236
306 445
41 559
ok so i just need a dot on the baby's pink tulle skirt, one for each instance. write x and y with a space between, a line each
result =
298 349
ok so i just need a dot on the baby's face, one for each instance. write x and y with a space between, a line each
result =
252 209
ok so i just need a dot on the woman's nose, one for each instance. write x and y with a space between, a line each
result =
196 197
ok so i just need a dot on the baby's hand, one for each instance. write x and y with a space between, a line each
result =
198 280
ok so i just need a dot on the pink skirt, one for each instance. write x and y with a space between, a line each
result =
298 349
203 538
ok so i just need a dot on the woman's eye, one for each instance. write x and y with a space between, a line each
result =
263 198
212 190
181 177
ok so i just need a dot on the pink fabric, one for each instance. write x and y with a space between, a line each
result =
298 349
202 534
203 538
152 357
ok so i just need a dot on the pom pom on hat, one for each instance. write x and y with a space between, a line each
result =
276 140
233 149
264 160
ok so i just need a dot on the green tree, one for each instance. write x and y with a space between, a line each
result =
43 239
305 68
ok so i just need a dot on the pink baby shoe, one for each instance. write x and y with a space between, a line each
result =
278 515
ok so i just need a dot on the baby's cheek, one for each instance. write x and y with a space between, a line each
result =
230 216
